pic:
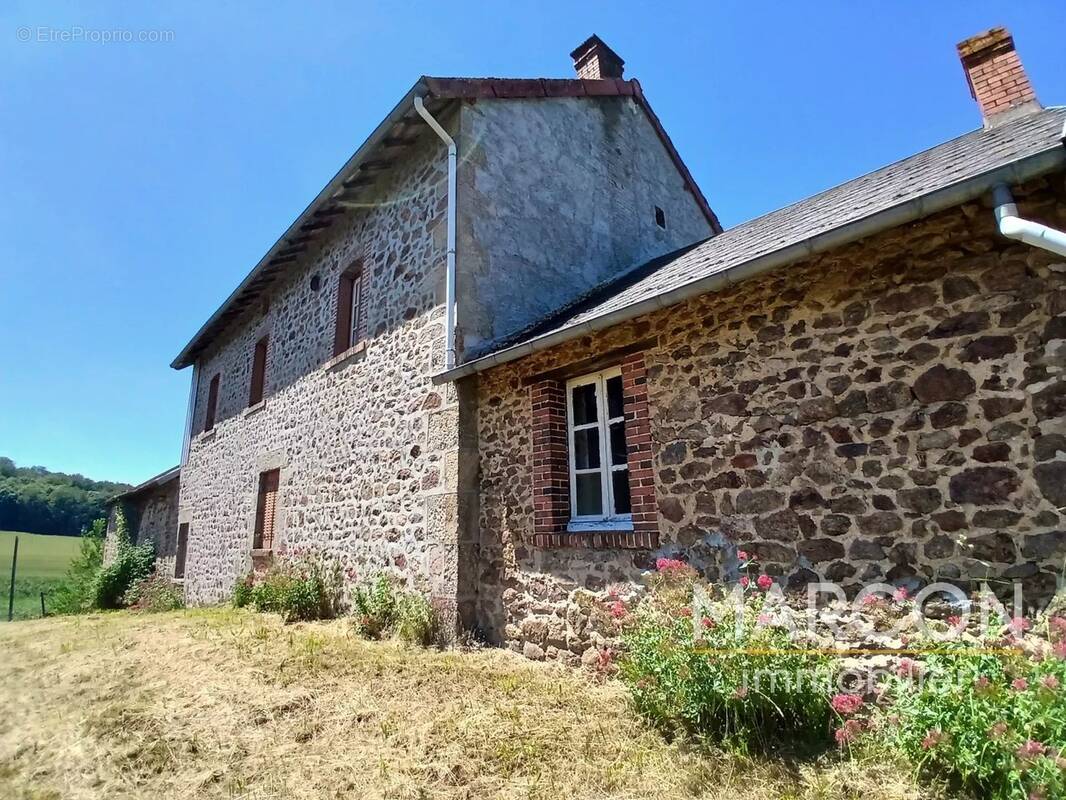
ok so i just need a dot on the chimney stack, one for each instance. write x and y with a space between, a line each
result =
595 60
996 76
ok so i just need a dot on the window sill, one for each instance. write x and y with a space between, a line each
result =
350 354
254 409
592 526
206 436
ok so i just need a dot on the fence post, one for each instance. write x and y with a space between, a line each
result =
11 594
43 612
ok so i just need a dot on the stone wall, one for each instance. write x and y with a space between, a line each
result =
557 195
367 447
892 410
151 515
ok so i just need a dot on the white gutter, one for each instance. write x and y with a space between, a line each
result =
449 283
194 386
908 211
1023 230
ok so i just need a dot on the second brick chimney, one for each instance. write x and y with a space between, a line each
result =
996 76
593 59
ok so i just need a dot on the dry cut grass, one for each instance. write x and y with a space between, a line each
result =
215 703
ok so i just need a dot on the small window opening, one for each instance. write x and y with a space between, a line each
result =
259 364
212 402
182 549
266 510
660 217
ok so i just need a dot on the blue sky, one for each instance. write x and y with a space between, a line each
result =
143 180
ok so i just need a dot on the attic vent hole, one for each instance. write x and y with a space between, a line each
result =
660 217
316 282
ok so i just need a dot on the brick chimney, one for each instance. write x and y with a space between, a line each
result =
594 59
996 76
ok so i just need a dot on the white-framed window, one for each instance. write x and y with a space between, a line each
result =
596 438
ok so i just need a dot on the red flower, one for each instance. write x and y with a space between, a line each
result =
933 737
848 732
1031 749
1019 684
1020 625
846 704
955 621
1050 682
669 564
742 555
707 622
744 581
685 611
908 668
618 609
982 684
765 582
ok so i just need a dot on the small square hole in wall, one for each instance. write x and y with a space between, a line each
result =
660 217
316 283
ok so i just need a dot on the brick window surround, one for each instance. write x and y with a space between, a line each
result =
551 469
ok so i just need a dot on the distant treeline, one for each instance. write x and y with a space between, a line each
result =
35 500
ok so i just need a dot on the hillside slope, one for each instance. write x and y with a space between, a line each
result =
217 703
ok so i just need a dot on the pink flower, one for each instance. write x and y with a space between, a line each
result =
846 704
1031 749
1019 684
707 622
669 564
1020 625
955 621
908 668
1059 649
901 594
998 731
742 555
764 619
933 737
618 609
744 581
982 684
1058 624
1050 682
685 611
764 582
848 732
741 692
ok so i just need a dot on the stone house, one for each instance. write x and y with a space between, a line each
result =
509 354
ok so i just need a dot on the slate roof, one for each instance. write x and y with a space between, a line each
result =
154 482
954 164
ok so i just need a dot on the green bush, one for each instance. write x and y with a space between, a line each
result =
75 593
306 588
994 724
155 593
726 672
383 609
132 563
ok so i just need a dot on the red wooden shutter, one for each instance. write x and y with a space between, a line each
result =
265 511
182 549
255 394
212 403
341 340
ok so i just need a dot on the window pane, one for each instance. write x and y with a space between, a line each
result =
589 495
587 448
584 403
618 443
614 397
620 486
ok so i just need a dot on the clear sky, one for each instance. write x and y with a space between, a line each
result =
141 181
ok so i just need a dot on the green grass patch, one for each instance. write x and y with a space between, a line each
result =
43 560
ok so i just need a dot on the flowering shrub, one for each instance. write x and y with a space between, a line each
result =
995 723
304 588
155 593
722 669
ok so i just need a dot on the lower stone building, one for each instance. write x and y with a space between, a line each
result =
150 511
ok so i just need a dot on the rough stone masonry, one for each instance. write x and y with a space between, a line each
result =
892 410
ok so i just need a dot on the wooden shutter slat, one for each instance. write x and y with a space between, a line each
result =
266 510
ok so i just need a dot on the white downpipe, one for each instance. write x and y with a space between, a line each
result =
449 282
1023 230
194 386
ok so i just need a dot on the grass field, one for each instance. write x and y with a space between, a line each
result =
230 704
43 560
